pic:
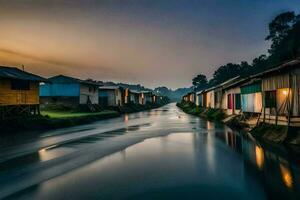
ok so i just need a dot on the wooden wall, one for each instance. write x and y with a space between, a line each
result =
18 97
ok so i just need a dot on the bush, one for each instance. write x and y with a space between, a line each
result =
214 114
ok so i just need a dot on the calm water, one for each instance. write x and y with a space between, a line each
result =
160 154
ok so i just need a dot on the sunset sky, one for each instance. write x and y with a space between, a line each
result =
151 42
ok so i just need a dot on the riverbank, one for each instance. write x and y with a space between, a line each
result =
62 118
263 132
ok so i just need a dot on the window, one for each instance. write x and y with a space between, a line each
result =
237 101
20 84
270 99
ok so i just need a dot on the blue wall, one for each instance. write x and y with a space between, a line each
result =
60 89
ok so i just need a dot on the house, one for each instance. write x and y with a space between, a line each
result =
280 93
231 97
69 92
213 97
19 92
112 96
145 97
134 96
185 98
191 97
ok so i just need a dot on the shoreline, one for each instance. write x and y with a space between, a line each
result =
55 119
268 134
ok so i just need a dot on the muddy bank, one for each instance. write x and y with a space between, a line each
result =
264 132
54 119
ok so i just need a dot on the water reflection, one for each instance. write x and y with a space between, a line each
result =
273 168
205 160
286 176
126 118
259 157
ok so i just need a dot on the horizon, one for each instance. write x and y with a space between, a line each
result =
131 41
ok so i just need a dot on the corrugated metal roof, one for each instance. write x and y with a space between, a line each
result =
15 73
135 91
285 66
68 79
109 87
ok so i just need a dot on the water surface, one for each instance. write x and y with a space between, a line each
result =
160 154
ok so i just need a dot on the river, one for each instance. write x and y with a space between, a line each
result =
158 154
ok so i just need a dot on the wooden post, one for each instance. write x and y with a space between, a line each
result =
288 99
264 105
38 109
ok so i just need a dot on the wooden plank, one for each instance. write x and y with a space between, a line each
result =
18 97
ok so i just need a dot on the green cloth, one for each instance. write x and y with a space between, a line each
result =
249 89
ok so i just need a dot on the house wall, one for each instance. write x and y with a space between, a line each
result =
148 98
88 92
280 83
210 99
126 96
134 97
59 90
142 99
192 98
231 91
218 98
18 97
70 102
197 100
118 94
107 98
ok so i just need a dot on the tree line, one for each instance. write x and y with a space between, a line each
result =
284 36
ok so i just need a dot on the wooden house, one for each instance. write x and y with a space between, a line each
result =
112 96
134 96
231 97
69 92
145 97
213 97
19 92
280 93
191 97
185 98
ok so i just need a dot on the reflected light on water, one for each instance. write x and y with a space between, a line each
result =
210 125
286 176
54 151
126 118
259 155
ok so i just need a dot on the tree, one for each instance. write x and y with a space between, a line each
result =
225 73
279 29
200 82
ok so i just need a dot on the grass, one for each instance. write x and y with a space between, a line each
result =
70 114
270 132
58 117
210 113
52 120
